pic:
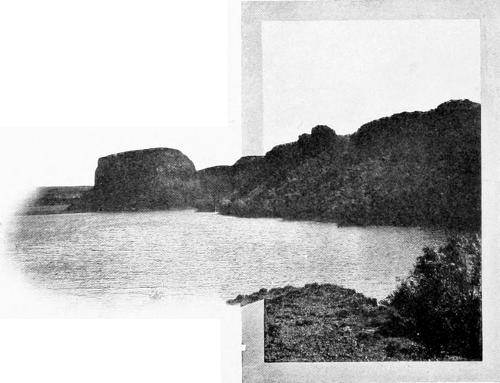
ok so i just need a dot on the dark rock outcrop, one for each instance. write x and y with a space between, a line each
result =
410 169
216 183
159 178
247 161
219 183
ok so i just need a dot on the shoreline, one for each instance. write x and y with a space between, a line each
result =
59 209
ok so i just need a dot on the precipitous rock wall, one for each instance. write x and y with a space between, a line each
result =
410 169
219 183
216 184
159 178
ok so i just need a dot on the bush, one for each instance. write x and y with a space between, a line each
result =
439 304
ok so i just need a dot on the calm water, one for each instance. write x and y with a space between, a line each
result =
159 254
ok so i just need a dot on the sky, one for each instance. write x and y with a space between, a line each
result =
346 73
56 156
70 94
83 80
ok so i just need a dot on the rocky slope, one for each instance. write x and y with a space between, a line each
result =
215 183
219 183
419 168
433 314
329 323
410 169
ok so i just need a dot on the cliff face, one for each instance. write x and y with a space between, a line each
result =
419 168
410 169
159 178
219 183
216 183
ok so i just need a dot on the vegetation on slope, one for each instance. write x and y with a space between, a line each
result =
323 323
439 304
435 314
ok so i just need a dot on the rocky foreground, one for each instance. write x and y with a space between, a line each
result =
328 323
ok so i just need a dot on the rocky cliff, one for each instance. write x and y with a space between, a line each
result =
411 169
216 183
159 178
219 183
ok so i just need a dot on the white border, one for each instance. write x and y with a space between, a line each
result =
488 12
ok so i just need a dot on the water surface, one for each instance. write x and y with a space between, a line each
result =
184 253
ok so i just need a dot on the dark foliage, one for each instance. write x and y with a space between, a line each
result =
439 304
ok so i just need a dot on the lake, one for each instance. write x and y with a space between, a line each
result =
151 255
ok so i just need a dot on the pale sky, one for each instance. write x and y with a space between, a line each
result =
70 94
52 156
83 80
346 73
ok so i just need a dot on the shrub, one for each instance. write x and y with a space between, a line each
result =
439 304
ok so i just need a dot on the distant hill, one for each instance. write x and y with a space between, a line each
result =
54 199
410 169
